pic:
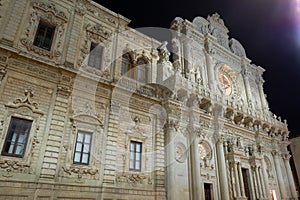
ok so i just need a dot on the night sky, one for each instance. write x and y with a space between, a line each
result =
269 30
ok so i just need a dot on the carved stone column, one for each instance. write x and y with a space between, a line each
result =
253 184
170 131
265 178
290 176
281 183
222 169
195 167
258 181
237 181
241 180
262 182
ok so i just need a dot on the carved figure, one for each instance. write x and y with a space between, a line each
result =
163 53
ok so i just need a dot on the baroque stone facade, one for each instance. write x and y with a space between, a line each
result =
92 109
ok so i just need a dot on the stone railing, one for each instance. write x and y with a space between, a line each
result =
136 86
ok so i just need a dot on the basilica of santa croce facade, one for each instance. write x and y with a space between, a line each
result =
93 109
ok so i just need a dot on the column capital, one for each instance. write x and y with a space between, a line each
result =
220 139
276 154
286 156
172 124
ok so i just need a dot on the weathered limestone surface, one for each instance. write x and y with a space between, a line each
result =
202 120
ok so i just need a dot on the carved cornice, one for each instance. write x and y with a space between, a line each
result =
99 29
50 8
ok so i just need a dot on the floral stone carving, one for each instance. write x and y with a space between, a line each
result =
134 179
11 166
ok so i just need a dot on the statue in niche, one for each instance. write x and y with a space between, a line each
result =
163 53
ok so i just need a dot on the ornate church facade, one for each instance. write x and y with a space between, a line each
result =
93 109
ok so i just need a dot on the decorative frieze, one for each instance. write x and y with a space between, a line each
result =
134 179
50 8
9 167
81 172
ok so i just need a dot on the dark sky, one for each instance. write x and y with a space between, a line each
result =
266 28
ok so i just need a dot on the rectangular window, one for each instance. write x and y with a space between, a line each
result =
135 156
44 35
82 148
95 56
142 74
16 138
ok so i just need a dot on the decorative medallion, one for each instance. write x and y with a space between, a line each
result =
225 84
180 153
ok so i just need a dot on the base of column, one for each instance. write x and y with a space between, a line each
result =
240 198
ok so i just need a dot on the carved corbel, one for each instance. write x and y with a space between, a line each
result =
238 118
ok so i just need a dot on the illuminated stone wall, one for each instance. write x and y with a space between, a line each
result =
202 121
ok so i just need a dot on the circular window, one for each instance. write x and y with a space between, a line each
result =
225 84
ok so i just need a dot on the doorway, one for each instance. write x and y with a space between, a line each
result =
246 180
208 191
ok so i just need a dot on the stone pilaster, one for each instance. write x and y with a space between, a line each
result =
259 183
159 162
222 169
170 131
73 35
13 21
263 99
194 162
290 175
265 178
56 131
262 182
241 180
112 134
253 184
281 183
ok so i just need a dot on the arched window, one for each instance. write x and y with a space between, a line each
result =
141 70
127 66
